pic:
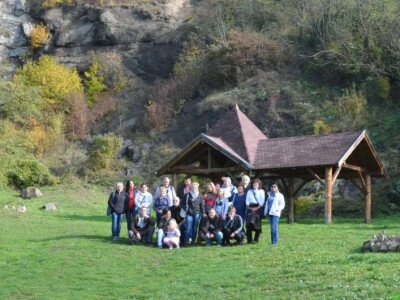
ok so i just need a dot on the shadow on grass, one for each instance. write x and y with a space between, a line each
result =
100 238
95 218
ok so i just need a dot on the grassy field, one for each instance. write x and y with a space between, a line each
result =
68 254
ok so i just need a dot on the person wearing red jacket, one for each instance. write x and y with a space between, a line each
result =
131 191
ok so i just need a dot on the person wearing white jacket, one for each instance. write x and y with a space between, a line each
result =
273 207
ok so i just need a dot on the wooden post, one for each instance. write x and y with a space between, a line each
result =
368 199
328 195
291 201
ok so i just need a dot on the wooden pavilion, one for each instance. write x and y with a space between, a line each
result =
235 144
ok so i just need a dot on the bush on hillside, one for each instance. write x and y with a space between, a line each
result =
80 119
94 83
39 36
167 99
103 151
47 4
56 82
30 173
111 69
20 103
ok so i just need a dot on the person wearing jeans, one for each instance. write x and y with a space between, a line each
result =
274 205
193 204
118 202
211 228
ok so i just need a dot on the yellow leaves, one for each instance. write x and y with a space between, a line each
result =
57 82
47 4
39 36
320 127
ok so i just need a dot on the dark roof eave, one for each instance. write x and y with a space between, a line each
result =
194 142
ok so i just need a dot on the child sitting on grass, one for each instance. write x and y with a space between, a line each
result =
172 235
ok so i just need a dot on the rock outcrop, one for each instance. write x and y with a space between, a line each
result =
13 42
31 192
382 243
148 36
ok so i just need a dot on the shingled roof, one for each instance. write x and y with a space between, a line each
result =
303 151
237 131
238 138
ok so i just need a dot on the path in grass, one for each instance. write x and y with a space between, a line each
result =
68 254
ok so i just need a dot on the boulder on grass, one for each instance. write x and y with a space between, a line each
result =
21 209
31 192
49 207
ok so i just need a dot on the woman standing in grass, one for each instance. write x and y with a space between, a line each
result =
143 199
273 208
193 205
130 211
118 202
255 199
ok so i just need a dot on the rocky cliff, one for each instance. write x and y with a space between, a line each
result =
13 42
147 36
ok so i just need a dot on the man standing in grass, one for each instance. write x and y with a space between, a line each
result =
273 208
118 202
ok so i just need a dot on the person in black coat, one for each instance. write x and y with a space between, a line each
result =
233 228
211 228
118 203
176 214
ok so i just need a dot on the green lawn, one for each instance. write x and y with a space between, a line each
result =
68 254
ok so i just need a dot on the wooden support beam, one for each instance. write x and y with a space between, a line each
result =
367 219
335 176
364 185
209 157
192 170
328 195
290 219
354 168
313 174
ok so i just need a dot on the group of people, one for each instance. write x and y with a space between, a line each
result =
224 213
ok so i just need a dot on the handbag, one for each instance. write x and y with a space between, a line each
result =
183 212
108 211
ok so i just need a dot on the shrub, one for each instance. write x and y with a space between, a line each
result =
378 89
55 80
54 3
307 207
103 150
167 99
39 36
111 69
94 83
20 103
80 119
320 127
29 173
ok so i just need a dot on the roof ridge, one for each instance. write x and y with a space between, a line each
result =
315 135
242 135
